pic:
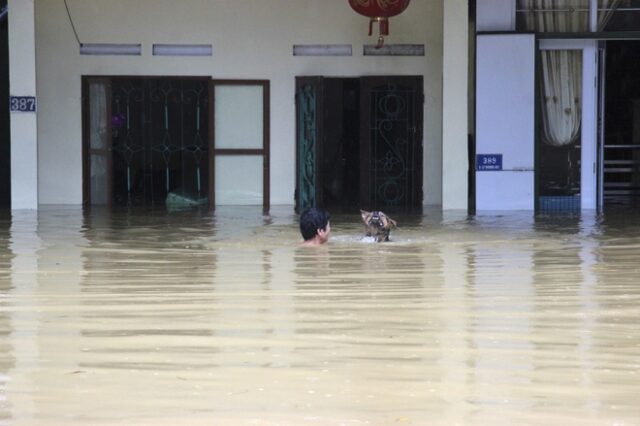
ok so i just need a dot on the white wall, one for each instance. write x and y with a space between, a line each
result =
455 181
505 102
251 40
22 82
496 15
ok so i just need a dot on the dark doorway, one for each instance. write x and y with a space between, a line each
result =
5 134
340 157
621 151
359 143
558 165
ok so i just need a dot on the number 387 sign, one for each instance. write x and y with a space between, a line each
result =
22 104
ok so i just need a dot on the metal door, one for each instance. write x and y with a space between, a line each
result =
309 107
391 142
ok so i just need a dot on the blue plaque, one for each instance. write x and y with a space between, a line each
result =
22 103
489 162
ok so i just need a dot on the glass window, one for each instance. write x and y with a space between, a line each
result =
619 15
238 112
99 143
99 180
239 179
241 140
558 16
98 115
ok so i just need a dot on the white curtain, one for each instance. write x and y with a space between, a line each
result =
98 141
561 90
564 15
556 15
98 115
562 69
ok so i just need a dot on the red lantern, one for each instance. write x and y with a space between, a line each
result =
379 11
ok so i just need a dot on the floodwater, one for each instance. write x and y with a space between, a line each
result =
191 318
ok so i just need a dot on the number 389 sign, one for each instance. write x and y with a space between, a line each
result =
490 162
22 104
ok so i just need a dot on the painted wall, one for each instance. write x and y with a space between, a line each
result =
251 40
496 15
22 82
505 101
455 112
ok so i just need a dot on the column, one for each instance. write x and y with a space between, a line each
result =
22 82
455 104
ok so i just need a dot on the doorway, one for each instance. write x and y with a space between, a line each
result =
621 149
560 129
359 143
567 129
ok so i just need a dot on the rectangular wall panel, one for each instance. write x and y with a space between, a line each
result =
506 190
505 120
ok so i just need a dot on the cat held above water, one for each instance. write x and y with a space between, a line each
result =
377 224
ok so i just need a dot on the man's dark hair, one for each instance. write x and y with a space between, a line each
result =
311 220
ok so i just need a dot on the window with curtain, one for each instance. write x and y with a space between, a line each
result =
561 77
562 16
620 15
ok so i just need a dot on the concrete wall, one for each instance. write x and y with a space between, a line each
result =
496 15
251 40
455 108
22 82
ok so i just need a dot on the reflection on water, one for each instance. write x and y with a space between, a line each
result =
151 318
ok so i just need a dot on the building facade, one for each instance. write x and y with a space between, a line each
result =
256 53
556 103
290 103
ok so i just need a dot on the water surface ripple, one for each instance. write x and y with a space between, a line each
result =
196 318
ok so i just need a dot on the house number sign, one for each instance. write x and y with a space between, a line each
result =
489 162
22 104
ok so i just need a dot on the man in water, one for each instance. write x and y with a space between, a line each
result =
314 227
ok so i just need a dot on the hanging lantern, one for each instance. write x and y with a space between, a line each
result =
379 11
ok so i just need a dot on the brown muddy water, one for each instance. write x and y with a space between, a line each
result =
191 318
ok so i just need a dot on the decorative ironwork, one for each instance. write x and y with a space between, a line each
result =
307 122
159 129
393 152
127 136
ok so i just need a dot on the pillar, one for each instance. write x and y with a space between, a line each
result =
454 105
22 82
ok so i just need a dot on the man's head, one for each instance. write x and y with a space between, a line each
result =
314 225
